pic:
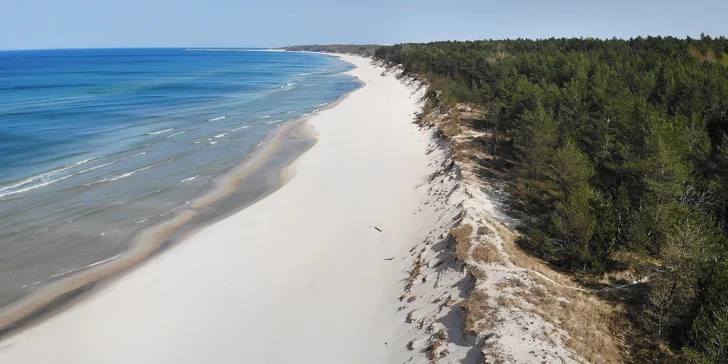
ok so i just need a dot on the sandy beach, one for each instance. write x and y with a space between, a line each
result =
310 274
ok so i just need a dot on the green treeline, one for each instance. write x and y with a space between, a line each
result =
621 162
366 50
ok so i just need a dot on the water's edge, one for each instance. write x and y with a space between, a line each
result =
261 172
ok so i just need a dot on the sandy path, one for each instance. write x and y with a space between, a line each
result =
299 277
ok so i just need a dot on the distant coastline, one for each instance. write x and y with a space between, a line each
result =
364 50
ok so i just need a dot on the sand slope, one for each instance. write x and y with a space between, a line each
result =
299 277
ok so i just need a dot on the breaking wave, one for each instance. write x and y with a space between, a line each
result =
160 131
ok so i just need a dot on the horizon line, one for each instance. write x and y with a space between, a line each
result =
366 43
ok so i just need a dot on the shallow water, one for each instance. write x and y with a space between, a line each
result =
97 145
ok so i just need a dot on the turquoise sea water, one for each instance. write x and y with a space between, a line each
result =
96 145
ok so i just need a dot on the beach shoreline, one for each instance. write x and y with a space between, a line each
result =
286 144
320 260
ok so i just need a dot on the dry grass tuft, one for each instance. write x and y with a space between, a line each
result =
539 292
435 345
442 334
521 259
587 319
515 282
450 127
432 350
476 309
504 301
487 253
449 302
478 273
416 269
461 234
484 230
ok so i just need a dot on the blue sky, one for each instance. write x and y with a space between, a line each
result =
34 24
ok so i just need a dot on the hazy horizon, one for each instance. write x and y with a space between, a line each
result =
198 47
48 24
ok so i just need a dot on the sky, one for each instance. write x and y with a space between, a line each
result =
46 24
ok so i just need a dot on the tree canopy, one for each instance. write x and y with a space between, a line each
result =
621 147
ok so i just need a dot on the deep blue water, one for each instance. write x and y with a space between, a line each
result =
96 144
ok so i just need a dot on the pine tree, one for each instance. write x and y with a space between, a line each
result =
537 140
574 220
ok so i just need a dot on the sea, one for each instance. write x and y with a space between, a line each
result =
99 145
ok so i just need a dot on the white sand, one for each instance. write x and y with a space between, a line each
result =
299 277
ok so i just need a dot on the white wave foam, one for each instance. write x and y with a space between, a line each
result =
324 104
45 179
240 128
213 143
108 232
118 177
84 161
220 135
127 174
86 266
217 118
32 284
188 179
95 182
178 133
264 117
141 221
160 131
44 230
74 174
178 207
43 184
112 162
